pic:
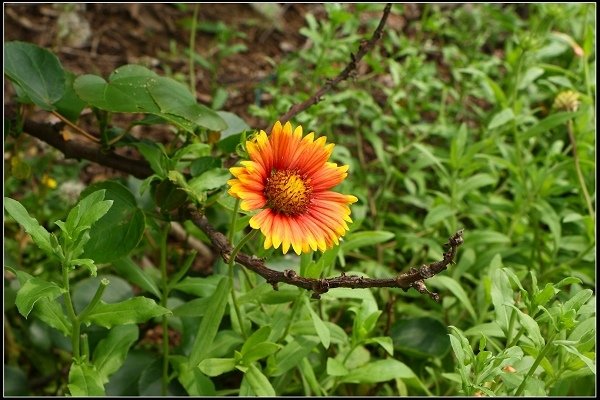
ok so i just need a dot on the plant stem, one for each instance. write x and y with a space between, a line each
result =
76 327
163 302
232 257
535 364
233 220
92 304
584 190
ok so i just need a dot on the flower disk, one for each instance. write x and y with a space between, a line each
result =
289 178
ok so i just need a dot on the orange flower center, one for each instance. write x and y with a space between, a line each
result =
287 192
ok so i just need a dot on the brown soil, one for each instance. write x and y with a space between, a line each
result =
97 38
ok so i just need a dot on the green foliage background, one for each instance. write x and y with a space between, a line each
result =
450 126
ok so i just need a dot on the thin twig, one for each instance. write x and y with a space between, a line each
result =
414 278
364 48
76 128
586 195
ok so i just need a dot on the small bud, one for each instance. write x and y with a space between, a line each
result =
567 101
509 368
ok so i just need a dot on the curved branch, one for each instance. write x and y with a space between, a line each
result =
364 48
85 150
414 278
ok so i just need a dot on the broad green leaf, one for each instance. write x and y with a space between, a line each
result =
34 290
384 341
365 238
124 381
211 179
424 150
234 124
578 300
210 322
117 233
191 151
438 213
133 311
192 379
110 353
89 210
52 313
586 360
192 308
549 216
70 105
203 164
290 355
502 295
479 236
136 275
36 71
173 98
200 287
420 337
156 156
446 282
260 351
150 383
259 336
84 380
545 125
40 236
501 118
320 327
335 367
531 326
259 382
379 371
490 329
474 182
217 366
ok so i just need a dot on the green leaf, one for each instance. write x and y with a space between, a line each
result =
502 295
36 71
420 337
156 156
475 182
259 351
15 382
40 236
118 232
192 379
545 125
335 367
52 313
446 282
501 118
192 308
217 366
586 360
438 213
89 209
34 290
578 299
234 124
84 380
320 327
531 326
365 238
290 355
199 287
210 322
136 275
259 382
379 371
384 341
259 336
133 311
110 353
174 98
203 164
70 105
211 179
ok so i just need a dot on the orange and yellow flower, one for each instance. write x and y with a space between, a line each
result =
289 178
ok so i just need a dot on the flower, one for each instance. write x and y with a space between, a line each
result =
567 101
289 178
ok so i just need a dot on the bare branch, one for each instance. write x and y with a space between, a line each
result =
86 150
364 48
414 278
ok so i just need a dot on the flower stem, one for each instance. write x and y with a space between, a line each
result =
192 50
97 296
535 364
76 327
163 302
584 190
233 220
232 257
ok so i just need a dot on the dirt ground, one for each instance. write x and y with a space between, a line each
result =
97 38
